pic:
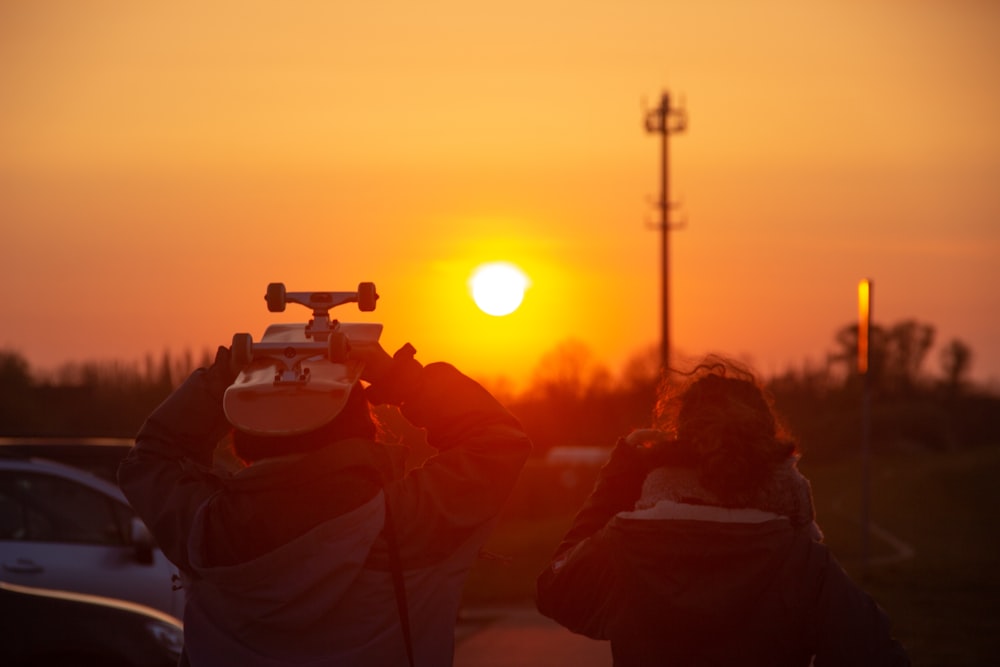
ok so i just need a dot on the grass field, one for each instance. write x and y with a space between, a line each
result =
937 572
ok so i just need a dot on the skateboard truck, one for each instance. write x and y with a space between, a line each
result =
323 335
321 326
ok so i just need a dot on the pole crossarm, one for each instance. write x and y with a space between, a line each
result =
666 119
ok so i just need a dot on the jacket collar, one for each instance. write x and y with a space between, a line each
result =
340 455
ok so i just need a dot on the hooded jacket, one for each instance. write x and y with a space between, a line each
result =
286 561
670 580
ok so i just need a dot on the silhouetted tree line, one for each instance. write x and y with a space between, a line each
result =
575 400
911 408
101 399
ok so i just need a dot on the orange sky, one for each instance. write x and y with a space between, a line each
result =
160 163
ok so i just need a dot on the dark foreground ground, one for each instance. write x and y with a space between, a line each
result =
934 560
509 636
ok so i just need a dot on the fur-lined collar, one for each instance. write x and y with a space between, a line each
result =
676 493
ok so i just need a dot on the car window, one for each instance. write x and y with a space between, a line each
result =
45 508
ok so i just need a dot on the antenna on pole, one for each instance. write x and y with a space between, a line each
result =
665 120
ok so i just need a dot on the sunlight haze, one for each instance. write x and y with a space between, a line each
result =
163 162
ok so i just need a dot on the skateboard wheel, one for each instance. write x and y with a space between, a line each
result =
241 353
367 296
275 297
338 347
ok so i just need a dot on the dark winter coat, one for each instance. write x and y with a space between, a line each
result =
286 562
682 583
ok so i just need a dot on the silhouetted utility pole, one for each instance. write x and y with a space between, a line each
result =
665 120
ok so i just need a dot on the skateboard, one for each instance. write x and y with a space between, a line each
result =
298 376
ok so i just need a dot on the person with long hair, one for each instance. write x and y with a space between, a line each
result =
699 544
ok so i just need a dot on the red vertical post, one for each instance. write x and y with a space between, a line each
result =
864 370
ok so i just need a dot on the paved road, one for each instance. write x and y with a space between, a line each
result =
521 637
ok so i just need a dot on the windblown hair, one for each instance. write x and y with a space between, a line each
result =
354 421
724 424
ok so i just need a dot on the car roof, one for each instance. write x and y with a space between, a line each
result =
98 600
45 466
39 441
100 456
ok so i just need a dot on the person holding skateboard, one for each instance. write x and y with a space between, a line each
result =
321 551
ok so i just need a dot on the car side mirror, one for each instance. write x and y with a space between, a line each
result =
142 541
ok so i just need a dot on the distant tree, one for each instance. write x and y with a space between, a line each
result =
896 354
641 371
956 360
846 354
165 375
908 344
571 399
89 398
569 372
635 396
809 380
15 373
17 409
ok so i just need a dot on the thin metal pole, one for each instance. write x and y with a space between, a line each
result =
665 234
658 121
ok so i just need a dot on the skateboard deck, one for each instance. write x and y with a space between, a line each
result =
297 377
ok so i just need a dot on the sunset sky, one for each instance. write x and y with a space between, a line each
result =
161 162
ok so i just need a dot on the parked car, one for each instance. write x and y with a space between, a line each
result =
66 529
100 456
57 628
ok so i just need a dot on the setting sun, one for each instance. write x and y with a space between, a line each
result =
498 288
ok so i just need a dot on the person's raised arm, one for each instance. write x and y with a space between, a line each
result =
166 475
481 449
581 586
